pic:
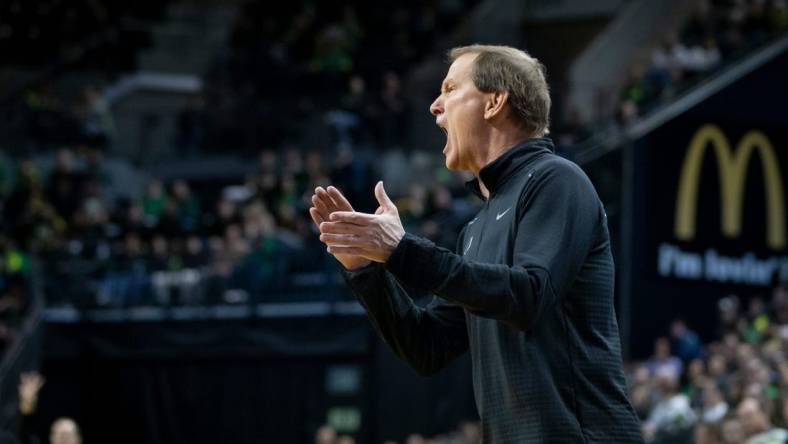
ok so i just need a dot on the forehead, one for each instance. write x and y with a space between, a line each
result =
461 68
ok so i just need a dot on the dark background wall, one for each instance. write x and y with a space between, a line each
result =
239 382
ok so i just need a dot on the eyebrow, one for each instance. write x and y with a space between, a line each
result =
445 82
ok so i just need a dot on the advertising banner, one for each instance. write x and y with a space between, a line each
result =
709 206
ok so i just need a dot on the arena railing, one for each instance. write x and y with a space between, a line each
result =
22 355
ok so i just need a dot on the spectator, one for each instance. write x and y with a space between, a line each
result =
188 206
714 406
717 31
393 117
326 434
732 431
346 439
706 434
672 418
728 313
63 430
663 363
756 425
415 439
64 186
97 126
685 342
470 432
154 202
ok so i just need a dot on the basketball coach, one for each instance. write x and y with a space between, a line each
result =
529 290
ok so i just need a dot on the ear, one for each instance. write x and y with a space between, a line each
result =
495 104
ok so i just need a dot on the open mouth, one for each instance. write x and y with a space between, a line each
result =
446 133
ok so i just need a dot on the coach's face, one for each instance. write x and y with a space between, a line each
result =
459 112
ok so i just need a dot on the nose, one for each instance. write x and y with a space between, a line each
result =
437 107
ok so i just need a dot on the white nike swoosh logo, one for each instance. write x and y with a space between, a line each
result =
474 220
470 242
500 215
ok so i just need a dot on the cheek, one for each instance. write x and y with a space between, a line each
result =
465 113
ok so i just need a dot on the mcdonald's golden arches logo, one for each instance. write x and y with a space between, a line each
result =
732 168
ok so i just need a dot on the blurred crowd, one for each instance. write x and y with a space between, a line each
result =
203 240
50 120
51 31
348 93
180 243
717 31
733 390
302 70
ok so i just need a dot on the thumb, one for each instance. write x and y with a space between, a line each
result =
383 198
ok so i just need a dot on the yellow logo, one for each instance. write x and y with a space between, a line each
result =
732 168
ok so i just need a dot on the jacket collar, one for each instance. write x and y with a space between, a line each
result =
497 172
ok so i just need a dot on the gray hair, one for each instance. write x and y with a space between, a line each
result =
503 68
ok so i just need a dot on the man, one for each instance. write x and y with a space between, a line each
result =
65 431
530 289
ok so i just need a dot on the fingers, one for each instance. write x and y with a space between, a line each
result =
356 251
342 228
321 207
31 382
352 217
347 240
30 377
316 216
328 201
341 233
325 202
382 197
339 199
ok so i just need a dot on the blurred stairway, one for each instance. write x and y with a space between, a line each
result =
146 104
188 39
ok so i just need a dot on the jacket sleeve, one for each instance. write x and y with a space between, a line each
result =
558 221
26 428
427 338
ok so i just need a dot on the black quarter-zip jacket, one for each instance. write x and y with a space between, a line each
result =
530 292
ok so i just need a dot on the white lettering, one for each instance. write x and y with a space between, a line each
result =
713 267
674 262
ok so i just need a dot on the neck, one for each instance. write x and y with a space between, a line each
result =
483 189
497 143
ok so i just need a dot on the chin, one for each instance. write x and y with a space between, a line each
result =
451 163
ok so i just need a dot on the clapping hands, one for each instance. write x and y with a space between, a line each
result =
356 238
